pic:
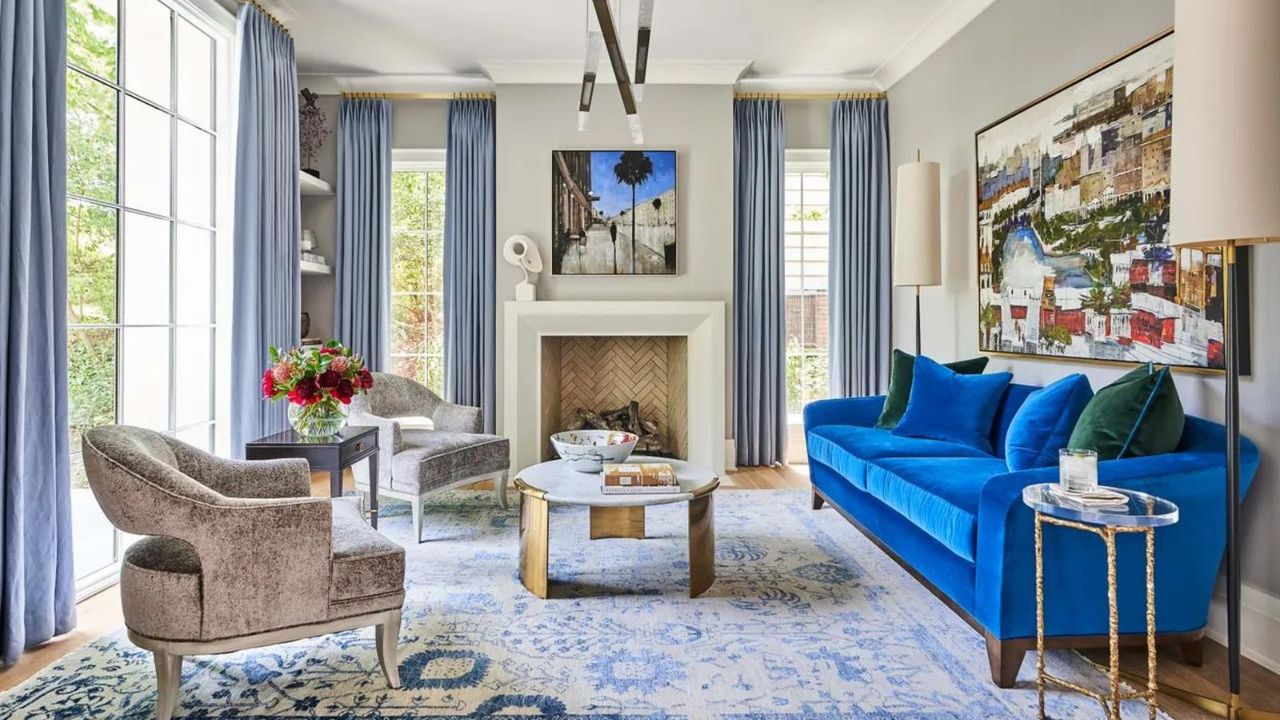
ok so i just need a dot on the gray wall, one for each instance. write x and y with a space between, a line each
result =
1011 54
695 121
808 124
415 124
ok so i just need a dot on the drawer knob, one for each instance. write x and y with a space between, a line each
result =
359 446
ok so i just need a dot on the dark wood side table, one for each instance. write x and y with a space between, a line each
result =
333 454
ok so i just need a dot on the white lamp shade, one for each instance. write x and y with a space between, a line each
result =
917 236
1225 169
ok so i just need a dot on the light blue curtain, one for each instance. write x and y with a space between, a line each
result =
37 588
760 361
858 314
469 257
267 281
362 299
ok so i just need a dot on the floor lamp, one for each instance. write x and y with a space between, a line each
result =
1225 174
917 236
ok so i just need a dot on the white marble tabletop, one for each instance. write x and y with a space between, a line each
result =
563 485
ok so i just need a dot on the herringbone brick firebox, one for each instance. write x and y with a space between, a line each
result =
604 373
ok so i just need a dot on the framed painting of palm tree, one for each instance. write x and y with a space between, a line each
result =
613 212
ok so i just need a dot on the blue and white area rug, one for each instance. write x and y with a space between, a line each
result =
807 620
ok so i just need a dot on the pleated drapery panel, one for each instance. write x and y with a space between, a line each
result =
362 297
37 587
760 358
267 284
470 257
859 291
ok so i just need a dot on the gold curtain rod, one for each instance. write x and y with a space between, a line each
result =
809 96
417 96
267 14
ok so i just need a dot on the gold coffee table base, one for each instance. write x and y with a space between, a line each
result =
614 521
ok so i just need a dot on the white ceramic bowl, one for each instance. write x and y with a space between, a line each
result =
588 450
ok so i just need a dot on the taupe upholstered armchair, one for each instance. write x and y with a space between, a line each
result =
412 463
239 555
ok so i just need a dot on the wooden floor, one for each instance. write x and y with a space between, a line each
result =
100 615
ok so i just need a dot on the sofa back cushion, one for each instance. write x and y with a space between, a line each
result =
1044 422
951 406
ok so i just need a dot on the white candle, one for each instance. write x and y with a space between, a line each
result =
1077 470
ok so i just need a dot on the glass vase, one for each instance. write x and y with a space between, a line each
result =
319 420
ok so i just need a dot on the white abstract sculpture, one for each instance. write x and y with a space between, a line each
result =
520 251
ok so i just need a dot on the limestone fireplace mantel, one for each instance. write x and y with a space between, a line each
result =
526 324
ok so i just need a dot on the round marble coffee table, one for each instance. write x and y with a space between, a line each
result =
613 516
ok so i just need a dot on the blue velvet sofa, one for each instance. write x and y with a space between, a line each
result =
954 518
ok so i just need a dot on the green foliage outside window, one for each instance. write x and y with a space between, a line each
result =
417 276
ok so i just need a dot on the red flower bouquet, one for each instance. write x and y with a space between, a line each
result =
319 382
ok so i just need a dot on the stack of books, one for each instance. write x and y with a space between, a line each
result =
1096 499
637 478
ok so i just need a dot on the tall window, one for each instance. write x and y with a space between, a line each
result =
417 272
807 228
141 229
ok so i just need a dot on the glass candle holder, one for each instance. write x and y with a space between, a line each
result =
1077 470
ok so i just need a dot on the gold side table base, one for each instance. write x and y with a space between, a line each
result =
1110 701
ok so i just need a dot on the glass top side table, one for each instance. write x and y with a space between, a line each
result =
1142 513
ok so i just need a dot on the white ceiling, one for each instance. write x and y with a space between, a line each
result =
791 42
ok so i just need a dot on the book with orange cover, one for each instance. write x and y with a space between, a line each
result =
639 478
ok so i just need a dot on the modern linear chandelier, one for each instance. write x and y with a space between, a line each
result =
603 33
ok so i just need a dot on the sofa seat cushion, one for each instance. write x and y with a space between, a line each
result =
432 459
365 563
847 448
938 495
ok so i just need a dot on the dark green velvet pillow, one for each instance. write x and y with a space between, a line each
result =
901 371
1139 414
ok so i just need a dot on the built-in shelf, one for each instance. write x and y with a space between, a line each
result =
312 185
312 268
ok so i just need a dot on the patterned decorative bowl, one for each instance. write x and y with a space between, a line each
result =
588 450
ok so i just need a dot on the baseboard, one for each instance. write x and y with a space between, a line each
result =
1260 625
730 454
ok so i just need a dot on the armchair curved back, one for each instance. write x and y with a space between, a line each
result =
394 396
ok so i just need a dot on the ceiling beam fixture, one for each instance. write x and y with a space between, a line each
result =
595 43
605 17
644 25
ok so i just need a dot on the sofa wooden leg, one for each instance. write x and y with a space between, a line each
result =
817 499
1193 651
388 640
168 677
1006 660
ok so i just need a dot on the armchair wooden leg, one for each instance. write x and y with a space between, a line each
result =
168 677
417 519
1193 651
388 640
500 489
817 499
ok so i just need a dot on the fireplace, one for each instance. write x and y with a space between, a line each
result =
668 357
632 383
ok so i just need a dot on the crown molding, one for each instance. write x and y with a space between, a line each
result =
949 19
335 84
557 72
808 83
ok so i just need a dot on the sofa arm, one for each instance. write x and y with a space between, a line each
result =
863 411
457 418
1188 553
284 478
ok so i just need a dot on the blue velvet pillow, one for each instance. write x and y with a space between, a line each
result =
946 405
1043 424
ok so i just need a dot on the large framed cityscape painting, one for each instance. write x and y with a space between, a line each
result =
1073 223
613 212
